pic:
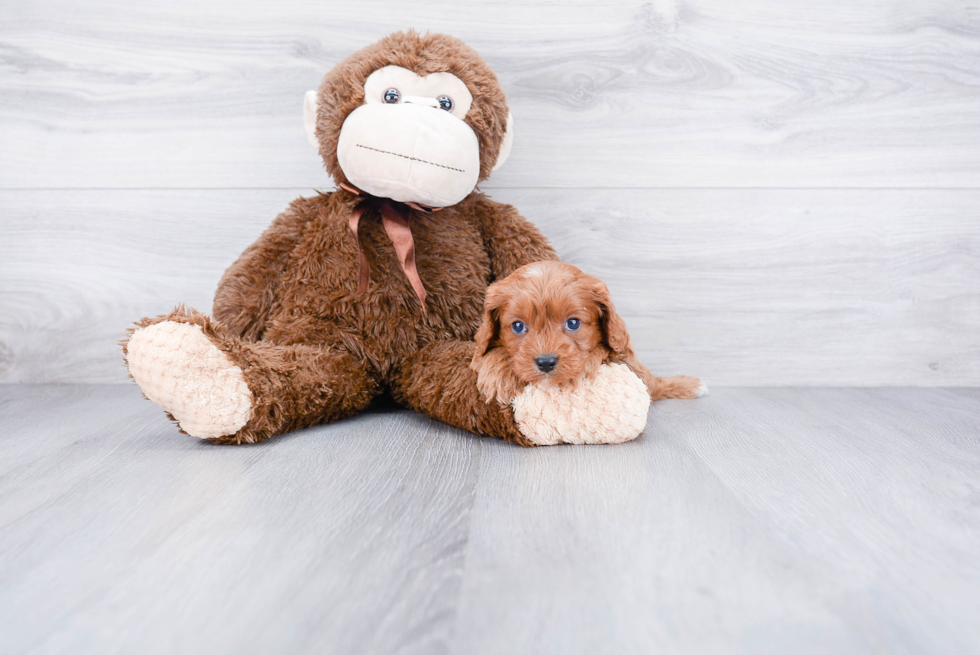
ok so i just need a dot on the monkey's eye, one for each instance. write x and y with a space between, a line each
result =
392 96
445 102
573 324
518 327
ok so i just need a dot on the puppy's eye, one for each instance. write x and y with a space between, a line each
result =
518 327
445 102
573 324
392 96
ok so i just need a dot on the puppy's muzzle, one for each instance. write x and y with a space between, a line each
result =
546 363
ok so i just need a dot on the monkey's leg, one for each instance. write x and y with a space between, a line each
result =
233 391
437 381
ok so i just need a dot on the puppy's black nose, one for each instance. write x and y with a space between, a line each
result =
546 363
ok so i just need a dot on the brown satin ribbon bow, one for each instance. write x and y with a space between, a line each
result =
394 217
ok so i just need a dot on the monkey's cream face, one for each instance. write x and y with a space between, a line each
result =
408 141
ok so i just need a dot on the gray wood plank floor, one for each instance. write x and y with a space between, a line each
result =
753 520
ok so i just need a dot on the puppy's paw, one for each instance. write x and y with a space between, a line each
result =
608 408
178 368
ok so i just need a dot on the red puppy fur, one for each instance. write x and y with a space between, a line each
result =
552 314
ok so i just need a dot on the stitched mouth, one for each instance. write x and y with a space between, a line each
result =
395 154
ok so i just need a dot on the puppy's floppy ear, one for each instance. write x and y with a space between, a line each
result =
613 326
488 334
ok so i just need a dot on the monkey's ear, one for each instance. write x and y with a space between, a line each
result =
506 144
309 118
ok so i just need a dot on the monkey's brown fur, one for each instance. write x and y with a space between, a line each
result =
287 312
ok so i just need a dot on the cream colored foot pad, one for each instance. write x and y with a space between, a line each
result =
179 369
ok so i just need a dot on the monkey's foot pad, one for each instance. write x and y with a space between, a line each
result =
182 371
608 408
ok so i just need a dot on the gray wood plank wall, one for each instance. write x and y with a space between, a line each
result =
777 193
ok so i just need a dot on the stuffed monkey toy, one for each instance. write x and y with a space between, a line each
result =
377 286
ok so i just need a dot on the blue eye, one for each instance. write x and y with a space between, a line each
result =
445 102
573 324
392 96
518 327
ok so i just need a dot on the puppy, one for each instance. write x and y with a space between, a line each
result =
548 323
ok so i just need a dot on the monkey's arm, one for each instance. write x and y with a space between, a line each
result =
510 239
247 290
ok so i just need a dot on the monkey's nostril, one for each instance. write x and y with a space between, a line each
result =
546 363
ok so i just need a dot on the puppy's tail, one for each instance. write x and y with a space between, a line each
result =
679 386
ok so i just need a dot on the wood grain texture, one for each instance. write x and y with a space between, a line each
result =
740 287
78 267
751 520
119 536
125 131
625 94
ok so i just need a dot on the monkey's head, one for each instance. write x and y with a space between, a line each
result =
415 118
